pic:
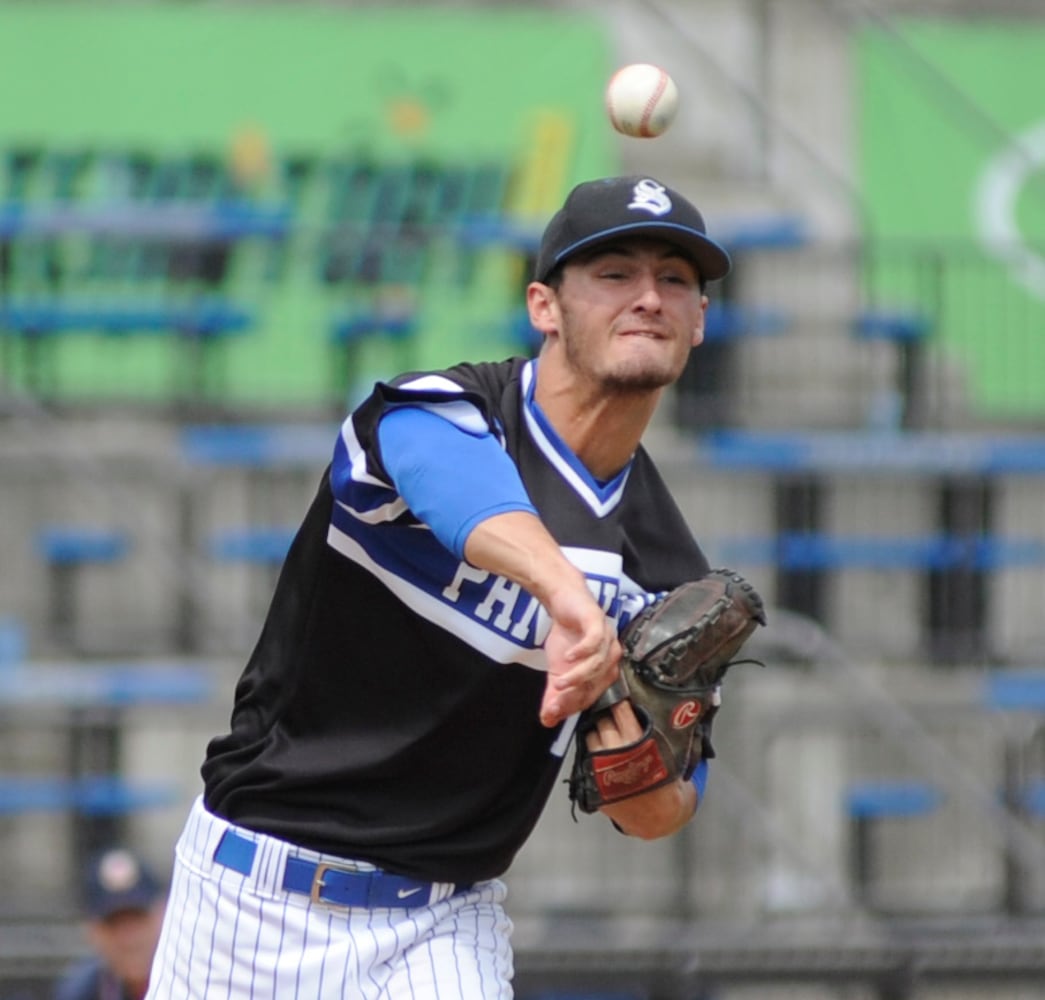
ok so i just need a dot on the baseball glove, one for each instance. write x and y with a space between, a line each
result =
675 654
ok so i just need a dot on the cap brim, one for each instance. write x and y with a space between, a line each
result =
120 903
712 260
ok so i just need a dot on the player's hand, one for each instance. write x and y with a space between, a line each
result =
658 813
581 647
582 653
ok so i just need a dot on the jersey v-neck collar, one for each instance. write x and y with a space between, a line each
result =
601 497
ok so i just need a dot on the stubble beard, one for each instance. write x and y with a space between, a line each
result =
628 378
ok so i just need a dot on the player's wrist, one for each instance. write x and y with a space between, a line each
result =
657 813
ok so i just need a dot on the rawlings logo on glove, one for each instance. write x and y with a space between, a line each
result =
675 655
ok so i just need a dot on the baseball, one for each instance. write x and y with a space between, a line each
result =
641 100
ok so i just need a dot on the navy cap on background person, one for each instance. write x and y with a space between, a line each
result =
118 880
601 210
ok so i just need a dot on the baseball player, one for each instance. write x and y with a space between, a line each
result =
451 602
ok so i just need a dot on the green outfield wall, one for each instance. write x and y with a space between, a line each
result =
952 151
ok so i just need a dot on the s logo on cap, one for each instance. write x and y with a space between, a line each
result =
650 197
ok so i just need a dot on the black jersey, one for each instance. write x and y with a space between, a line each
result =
389 712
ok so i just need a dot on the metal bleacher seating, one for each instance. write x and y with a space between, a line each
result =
901 404
67 551
383 227
956 557
246 486
868 804
83 774
706 394
121 244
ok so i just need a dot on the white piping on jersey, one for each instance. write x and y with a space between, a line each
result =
437 383
479 637
456 411
594 562
357 456
386 512
600 505
562 741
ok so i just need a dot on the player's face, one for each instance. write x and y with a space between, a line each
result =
629 313
126 942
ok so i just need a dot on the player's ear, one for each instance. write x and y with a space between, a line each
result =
543 306
698 328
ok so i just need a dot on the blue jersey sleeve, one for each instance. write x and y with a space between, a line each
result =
451 478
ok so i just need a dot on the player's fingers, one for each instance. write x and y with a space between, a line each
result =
561 701
560 704
574 684
606 734
597 669
626 722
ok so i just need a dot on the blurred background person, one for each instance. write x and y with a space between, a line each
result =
123 903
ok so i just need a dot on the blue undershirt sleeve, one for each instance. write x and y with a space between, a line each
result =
700 780
450 478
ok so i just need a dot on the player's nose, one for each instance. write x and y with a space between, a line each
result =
648 296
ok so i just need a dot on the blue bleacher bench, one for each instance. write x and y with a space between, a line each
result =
1015 689
730 320
358 326
178 222
258 446
822 551
96 795
896 326
104 684
766 232
1032 798
921 452
887 798
69 545
263 545
210 317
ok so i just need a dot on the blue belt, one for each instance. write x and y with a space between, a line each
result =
324 882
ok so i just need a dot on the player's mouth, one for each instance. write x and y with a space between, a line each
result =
647 334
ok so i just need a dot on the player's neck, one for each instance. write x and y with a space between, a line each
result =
603 432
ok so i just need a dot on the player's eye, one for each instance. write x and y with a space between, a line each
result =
682 278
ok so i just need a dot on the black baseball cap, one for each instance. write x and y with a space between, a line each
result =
601 210
117 880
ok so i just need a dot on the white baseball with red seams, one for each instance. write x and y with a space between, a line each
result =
641 100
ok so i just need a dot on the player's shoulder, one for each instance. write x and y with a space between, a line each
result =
483 379
487 377
82 982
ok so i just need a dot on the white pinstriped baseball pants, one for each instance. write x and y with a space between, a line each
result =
228 936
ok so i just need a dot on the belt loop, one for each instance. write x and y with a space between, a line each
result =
236 852
441 891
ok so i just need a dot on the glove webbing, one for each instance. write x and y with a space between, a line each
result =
676 647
